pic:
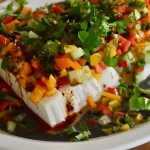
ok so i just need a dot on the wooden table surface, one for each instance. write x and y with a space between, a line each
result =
142 147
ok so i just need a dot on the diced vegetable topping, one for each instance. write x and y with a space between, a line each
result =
70 43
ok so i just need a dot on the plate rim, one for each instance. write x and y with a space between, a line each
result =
120 141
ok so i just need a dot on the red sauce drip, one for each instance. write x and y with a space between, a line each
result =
69 107
58 127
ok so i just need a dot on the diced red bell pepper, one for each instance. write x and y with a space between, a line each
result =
39 14
90 121
117 114
62 41
57 9
124 44
7 103
112 90
100 67
8 117
119 52
1 56
104 109
131 38
101 48
94 1
62 82
123 9
8 19
3 85
123 64
139 69
3 40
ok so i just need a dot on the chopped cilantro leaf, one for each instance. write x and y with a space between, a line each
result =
21 2
121 26
83 35
23 16
136 3
10 7
5 63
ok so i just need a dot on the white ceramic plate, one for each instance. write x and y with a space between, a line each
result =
120 141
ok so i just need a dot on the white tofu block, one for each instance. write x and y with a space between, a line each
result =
110 78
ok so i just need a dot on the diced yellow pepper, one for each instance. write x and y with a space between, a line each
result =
125 127
38 93
69 48
114 104
107 131
52 81
139 50
142 44
95 59
97 76
111 96
51 92
105 100
112 49
102 53
63 73
127 77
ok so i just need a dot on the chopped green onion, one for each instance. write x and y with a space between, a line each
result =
78 135
71 130
130 122
11 126
82 136
20 117
33 35
5 96
120 120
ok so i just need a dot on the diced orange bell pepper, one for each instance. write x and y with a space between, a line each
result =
76 65
11 46
11 26
3 40
64 61
26 10
147 34
35 63
91 102
127 77
25 70
82 61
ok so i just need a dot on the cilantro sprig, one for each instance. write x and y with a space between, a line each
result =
9 9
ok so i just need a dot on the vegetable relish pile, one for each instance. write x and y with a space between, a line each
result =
67 43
